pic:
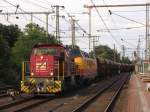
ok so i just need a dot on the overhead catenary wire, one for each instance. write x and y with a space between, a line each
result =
123 5
128 43
43 2
126 18
17 6
76 30
68 14
125 28
39 18
83 42
23 14
8 20
78 26
81 28
6 15
78 36
5 6
115 23
105 24
130 11
25 11
35 4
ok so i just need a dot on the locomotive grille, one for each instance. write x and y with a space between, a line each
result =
41 66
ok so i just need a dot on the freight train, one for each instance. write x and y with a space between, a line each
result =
55 68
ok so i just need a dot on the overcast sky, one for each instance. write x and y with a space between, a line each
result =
129 34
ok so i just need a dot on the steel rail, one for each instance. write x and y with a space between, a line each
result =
58 106
11 104
3 95
110 106
34 105
8 87
85 104
3 90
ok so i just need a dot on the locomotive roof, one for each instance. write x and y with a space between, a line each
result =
48 45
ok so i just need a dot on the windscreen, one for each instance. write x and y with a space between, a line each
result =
75 52
45 51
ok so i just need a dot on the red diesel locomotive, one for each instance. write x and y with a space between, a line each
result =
53 68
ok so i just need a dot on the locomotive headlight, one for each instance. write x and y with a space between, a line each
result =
41 57
51 73
32 73
47 80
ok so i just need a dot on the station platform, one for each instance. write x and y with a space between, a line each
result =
135 96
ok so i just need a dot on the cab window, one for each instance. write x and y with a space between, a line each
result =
45 51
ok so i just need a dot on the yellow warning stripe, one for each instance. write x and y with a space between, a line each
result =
56 88
32 80
58 84
53 90
25 89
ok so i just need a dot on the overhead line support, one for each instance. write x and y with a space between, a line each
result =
20 13
124 5
73 32
30 13
89 28
57 21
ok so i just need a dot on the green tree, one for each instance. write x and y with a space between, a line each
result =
105 52
125 60
10 33
7 75
8 36
32 35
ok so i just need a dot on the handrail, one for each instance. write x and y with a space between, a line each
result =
23 71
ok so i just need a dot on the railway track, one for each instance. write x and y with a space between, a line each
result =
29 104
99 104
69 102
3 90
24 104
115 96
3 95
36 103
12 103
77 102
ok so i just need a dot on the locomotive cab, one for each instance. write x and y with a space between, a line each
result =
46 72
